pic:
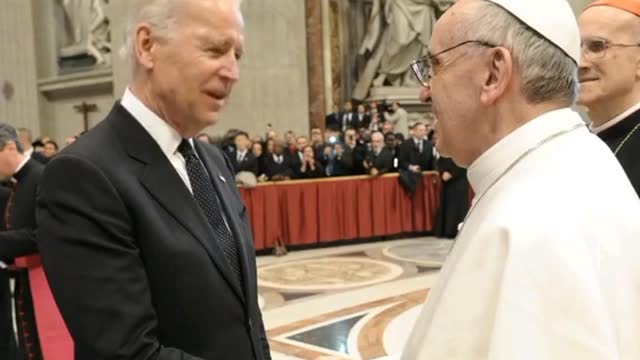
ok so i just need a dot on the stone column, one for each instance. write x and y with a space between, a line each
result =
315 59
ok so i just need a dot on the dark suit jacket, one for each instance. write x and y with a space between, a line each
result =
131 259
39 157
20 240
362 120
248 163
295 163
348 120
272 168
409 154
383 162
332 121
629 152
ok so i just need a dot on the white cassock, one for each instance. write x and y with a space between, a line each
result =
547 265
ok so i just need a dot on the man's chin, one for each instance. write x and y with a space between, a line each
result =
586 100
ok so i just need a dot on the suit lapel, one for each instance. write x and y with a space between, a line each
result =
165 185
226 197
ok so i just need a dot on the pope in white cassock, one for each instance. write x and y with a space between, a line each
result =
547 264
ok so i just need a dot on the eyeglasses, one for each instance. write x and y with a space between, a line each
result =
597 48
422 67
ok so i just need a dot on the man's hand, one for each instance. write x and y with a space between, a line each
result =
414 168
446 176
374 172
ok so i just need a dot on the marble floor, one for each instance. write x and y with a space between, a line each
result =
348 302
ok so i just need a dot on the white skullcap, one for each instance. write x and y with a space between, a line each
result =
553 19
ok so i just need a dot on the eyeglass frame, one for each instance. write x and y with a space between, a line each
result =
590 54
415 63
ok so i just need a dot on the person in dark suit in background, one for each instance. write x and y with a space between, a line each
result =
340 161
416 153
379 160
278 165
257 149
362 118
454 198
242 158
347 117
18 236
332 120
144 239
297 156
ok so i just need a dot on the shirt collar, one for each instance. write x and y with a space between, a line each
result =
490 165
615 120
167 137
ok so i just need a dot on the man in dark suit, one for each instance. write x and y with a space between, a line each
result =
332 120
18 238
144 238
297 157
242 159
347 117
362 118
379 160
278 165
416 153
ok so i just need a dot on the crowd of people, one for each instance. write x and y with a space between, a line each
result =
349 145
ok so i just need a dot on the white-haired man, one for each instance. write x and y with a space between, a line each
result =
145 241
536 272
610 78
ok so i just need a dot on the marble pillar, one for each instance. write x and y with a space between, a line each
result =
315 60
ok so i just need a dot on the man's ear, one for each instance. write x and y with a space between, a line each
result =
144 45
499 75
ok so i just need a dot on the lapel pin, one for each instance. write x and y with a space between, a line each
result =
222 178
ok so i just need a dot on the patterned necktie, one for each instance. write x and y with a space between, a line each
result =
207 199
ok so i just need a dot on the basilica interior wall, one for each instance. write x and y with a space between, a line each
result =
273 88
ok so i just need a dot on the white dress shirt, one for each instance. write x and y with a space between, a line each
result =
167 137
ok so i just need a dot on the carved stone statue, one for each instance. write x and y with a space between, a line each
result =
398 32
87 30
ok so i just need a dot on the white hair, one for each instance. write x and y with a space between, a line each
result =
377 134
548 73
161 15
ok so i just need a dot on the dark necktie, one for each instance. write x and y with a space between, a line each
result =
207 199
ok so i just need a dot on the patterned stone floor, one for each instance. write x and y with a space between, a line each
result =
350 302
